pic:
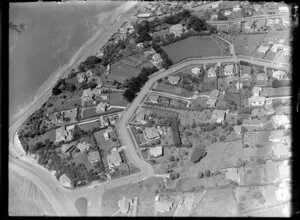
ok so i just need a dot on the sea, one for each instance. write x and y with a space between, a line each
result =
52 35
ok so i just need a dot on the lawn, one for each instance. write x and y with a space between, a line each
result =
48 135
117 99
196 46
175 90
121 71
64 105
90 126
81 158
91 112
106 144
248 44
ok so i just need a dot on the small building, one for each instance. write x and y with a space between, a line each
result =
281 151
284 170
263 49
93 157
246 77
114 158
211 102
261 77
219 115
214 93
257 100
283 9
236 8
156 151
140 45
196 70
66 147
256 90
211 72
124 205
233 174
103 122
156 58
81 77
227 12
286 51
101 107
276 47
104 96
64 133
106 135
177 29
144 15
279 74
237 129
141 118
281 121
239 85
83 146
65 181
174 80
164 206
151 133
87 95
228 70
153 98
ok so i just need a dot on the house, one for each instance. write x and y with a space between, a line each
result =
81 77
66 147
141 118
276 47
279 74
124 205
196 70
281 151
284 170
256 90
93 157
261 77
103 122
176 29
151 133
283 110
156 59
219 115
214 93
211 72
64 133
286 51
246 77
87 95
101 107
153 98
283 9
239 85
106 135
144 15
263 49
211 102
104 96
281 121
257 100
214 17
140 45
83 146
174 80
114 158
164 206
233 174
65 181
227 12
228 70
236 8
156 151
237 129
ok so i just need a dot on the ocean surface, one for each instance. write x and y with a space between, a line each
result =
53 33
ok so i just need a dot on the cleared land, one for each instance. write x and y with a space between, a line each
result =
121 71
196 46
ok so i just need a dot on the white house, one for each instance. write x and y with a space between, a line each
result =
279 74
283 9
281 121
263 49
174 80
228 70
257 100
196 70
140 45
114 158
227 12
144 15
236 8
211 72
156 151
65 181
276 47
239 85
261 77
176 29
256 90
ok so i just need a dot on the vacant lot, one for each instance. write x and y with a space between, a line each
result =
175 90
248 44
48 135
196 46
121 71
90 126
187 118
81 158
117 99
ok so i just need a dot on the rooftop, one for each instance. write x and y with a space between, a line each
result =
156 151
228 68
151 133
93 156
114 158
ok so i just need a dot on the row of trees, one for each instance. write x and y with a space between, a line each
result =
167 62
134 84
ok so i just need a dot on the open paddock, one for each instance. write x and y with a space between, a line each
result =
116 99
175 90
121 71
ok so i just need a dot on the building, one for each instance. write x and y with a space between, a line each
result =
218 115
81 77
64 133
196 70
214 93
286 51
98 90
281 151
276 47
211 72
151 133
283 9
174 80
93 157
279 74
114 158
101 107
65 181
214 17
236 8
246 77
144 15
66 147
124 205
261 77
176 29
156 151
227 12
284 170
239 85
263 49
140 45
257 101
281 121
211 102
233 174
156 59
141 118
104 96
237 129
228 70
83 146
164 206
153 98
103 122
87 95
256 90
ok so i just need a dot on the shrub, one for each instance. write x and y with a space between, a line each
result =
198 154
222 138
200 175
207 173
276 83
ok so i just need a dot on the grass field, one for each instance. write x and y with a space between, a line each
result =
121 71
90 126
196 46
117 99
248 44
175 90
91 112
48 135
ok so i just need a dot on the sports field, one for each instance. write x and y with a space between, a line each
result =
196 46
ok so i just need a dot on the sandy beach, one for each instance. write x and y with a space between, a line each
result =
87 49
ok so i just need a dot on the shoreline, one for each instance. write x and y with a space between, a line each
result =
88 48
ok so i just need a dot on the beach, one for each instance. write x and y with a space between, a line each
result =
22 86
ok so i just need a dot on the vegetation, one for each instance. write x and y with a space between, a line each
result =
166 60
198 154
276 83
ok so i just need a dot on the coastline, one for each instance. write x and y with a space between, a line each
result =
88 48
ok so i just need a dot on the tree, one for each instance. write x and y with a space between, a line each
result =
207 173
200 175
56 91
174 175
197 24
222 138
276 83
198 154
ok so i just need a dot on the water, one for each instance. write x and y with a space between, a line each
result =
54 32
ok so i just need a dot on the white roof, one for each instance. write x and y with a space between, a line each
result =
263 49
228 68
156 151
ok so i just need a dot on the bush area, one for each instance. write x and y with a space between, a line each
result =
197 154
